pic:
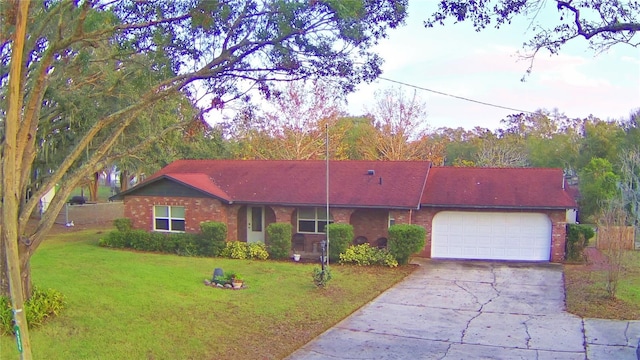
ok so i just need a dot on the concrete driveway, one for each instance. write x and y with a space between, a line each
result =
474 310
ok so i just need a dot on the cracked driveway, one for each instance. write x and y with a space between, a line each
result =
474 310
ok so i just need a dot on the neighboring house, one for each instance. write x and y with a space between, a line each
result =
478 213
45 200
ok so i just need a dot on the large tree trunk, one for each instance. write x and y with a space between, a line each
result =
25 277
93 187
124 180
4 272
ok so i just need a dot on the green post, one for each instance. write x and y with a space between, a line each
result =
16 329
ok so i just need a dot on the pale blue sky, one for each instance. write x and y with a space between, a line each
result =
485 66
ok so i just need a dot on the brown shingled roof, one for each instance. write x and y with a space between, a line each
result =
497 188
393 184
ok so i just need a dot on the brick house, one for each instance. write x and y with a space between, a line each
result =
473 213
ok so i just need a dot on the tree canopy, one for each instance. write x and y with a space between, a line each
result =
601 23
101 81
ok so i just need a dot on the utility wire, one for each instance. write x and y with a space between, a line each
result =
455 96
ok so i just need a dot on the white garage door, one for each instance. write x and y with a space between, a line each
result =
491 236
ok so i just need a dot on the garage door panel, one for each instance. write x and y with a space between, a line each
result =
491 236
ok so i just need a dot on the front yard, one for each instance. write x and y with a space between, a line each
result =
129 305
586 290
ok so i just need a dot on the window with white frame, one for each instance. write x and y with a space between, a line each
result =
168 218
392 220
312 220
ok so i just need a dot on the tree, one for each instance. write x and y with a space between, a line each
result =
601 23
630 184
508 151
170 50
598 185
294 126
359 138
400 121
601 139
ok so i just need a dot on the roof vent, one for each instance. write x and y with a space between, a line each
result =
371 172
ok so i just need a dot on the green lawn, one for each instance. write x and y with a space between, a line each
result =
128 305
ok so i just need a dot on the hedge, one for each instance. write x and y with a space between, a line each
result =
340 237
405 240
279 240
210 242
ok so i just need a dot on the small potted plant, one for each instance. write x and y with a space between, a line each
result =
236 280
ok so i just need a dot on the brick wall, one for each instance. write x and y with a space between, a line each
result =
140 210
371 224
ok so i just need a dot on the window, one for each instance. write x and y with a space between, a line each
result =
392 219
168 218
312 220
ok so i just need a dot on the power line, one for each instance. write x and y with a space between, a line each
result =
455 96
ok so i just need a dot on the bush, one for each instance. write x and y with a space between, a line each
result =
405 240
186 244
140 240
258 251
42 305
321 278
183 244
123 224
340 237
578 236
279 235
367 255
213 238
235 250
115 239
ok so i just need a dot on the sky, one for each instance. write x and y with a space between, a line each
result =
486 66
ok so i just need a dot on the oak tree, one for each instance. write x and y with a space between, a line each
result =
121 62
601 24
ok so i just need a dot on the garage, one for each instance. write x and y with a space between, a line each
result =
491 236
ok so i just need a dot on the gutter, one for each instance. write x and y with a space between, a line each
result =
501 207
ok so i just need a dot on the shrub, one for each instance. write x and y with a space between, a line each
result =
183 244
340 237
139 240
321 278
236 250
123 224
242 250
405 240
367 255
213 238
578 236
115 239
164 243
186 244
42 305
156 241
258 251
279 235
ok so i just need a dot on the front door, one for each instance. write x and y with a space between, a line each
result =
255 224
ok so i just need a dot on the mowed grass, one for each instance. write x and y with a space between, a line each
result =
130 305
587 295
